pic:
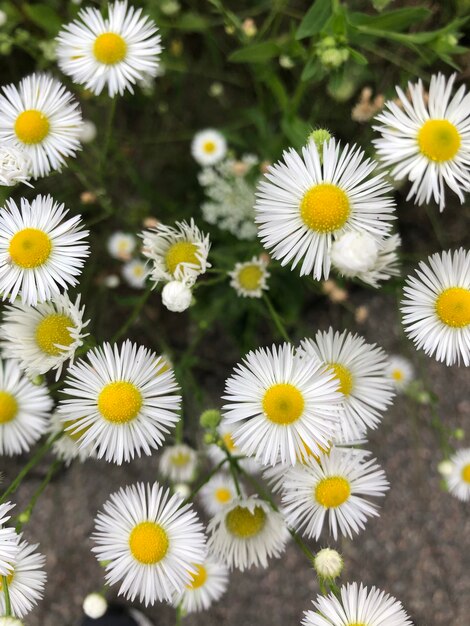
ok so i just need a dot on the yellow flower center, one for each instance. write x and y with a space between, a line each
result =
74 434
344 377
119 402
209 147
325 208
54 330
180 458
356 624
397 375
199 578
466 473
241 522
229 442
149 543
30 248
453 307
283 403
181 252
31 126
332 491
109 48
223 495
8 407
250 277
438 140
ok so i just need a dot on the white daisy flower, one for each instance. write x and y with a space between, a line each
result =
150 541
39 251
436 307
247 532
303 204
41 118
218 493
458 479
26 580
121 401
360 370
357 606
114 52
135 273
176 253
335 489
249 278
24 409
207 586
9 541
178 463
67 448
121 245
208 147
400 371
428 143
44 336
15 166
217 454
281 402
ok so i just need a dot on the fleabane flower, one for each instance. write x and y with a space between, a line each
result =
249 279
67 447
208 584
359 369
279 402
428 143
120 400
336 489
121 245
400 371
44 336
135 273
217 453
14 166
178 463
114 52
436 307
218 493
9 540
24 409
41 118
458 478
40 251
208 147
357 606
247 533
176 253
304 203
150 541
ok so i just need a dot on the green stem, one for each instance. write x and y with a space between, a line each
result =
6 593
179 615
24 517
276 319
204 481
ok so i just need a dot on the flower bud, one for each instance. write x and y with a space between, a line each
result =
210 419
95 605
328 563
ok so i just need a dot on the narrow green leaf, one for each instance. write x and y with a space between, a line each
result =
315 19
43 16
397 20
256 53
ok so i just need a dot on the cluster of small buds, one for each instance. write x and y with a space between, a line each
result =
332 53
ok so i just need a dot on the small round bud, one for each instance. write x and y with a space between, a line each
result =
88 132
459 434
209 438
328 563
445 468
319 136
423 397
176 296
23 518
95 605
210 418
37 380
182 490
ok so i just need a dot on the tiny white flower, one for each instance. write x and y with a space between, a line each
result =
176 296
208 585
135 273
400 371
121 245
88 132
95 605
249 279
178 463
208 147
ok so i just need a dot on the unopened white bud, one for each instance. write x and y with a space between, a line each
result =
176 296
328 563
95 605
445 468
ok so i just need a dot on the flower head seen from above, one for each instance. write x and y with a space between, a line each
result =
121 245
249 279
400 371
428 143
305 202
436 307
40 251
279 402
24 409
458 478
151 542
360 370
207 586
9 540
208 147
218 493
247 533
178 463
15 166
44 336
41 118
135 273
120 401
357 606
114 52
336 488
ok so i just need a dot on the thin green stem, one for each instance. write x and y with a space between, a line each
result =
276 319
6 593
179 616
234 470
24 517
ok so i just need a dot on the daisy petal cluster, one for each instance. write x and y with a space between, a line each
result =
178 463
218 493
208 147
208 584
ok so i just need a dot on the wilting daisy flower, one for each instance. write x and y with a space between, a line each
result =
44 336
400 371
176 253
135 273
281 402
217 454
26 580
357 606
9 541
178 463
14 166
208 585
120 401
360 370
436 307
121 245
43 119
304 204
428 143
67 448
114 52
458 480
24 409
218 493
247 532
208 147
39 251
150 542
335 489
249 278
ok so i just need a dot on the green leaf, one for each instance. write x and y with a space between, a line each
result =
256 53
312 69
397 20
358 57
43 16
315 19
